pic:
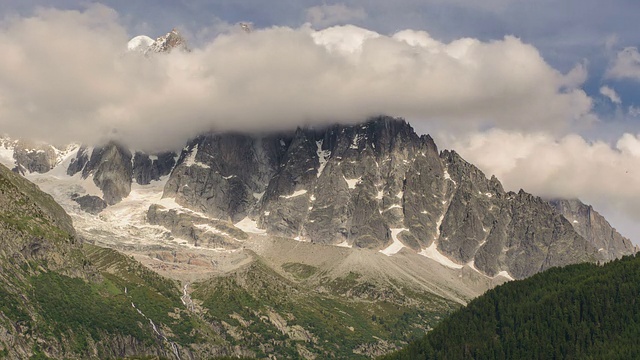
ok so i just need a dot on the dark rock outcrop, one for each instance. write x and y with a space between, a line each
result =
32 157
78 163
359 185
223 175
112 171
91 204
147 168
199 231
594 228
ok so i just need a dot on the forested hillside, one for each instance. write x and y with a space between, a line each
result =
580 311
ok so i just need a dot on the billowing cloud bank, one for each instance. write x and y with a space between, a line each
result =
66 76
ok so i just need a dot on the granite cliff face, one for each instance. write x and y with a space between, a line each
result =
223 175
375 185
34 157
113 169
594 227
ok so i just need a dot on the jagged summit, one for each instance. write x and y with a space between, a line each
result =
594 227
375 185
163 44
166 43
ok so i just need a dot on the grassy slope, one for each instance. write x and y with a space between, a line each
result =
267 313
75 315
67 300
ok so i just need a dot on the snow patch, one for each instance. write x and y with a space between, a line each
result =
323 156
356 140
504 274
380 195
249 226
391 207
344 244
352 182
438 223
472 265
169 203
211 229
448 177
295 193
397 245
433 253
191 159
57 183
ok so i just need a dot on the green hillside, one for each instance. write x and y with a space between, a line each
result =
61 298
581 311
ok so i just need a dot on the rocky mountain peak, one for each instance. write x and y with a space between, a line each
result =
594 227
166 43
163 44
375 185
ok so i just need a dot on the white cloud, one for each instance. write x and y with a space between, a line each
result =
577 76
598 173
626 65
610 94
327 15
65 76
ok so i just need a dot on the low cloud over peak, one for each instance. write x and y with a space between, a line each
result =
66 76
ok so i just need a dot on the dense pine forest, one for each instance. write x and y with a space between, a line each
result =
583 311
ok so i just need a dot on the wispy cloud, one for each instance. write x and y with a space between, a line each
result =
626 65
610 94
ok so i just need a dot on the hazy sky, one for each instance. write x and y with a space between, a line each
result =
543 94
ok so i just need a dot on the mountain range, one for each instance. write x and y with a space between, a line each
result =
340 241
376 185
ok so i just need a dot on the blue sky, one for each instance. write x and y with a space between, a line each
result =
570 132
